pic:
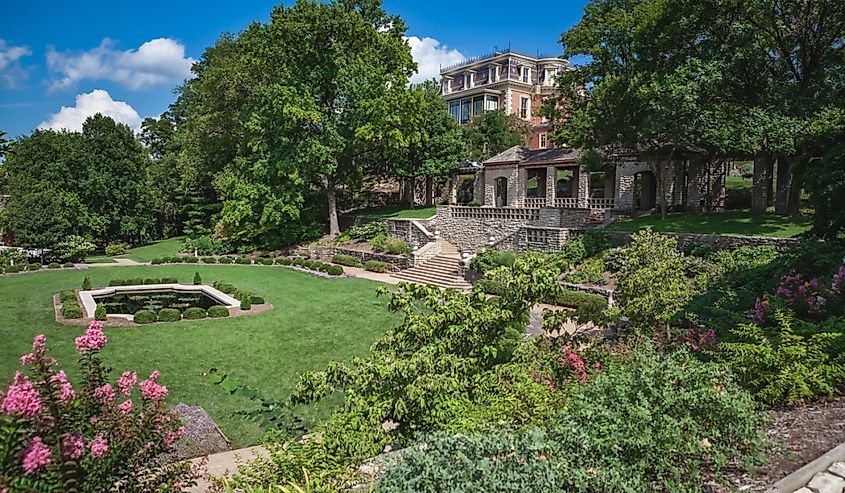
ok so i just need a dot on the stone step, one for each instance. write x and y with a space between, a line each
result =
439 271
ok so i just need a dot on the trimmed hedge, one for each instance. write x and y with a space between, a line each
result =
169 315
218 311
71 310
284 261
194 313
246 302
53 265
243 261
117 282
157 261
264 261
68 265
67 295
257 300
11 269
144 317
347 260
224 260
33 266
208 260
152 280
376 266
169 280
135 281
191 260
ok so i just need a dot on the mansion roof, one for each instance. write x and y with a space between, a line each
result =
521 156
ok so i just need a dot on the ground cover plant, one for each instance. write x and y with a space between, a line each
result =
741 222
267 351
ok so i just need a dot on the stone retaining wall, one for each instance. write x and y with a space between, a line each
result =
720 242
325 253
410 230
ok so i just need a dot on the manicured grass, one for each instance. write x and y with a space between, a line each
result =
742 222
396 211
164 248
313 321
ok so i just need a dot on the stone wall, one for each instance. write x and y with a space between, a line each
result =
325 254
514 195
721 242
412 231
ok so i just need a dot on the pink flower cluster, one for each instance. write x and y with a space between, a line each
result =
838 281
22 399
125 407
35 455
73 446
39 348
104 393
98 446
762 310
93 340
803 295
66 392
574 362
150 389
171 436
127 381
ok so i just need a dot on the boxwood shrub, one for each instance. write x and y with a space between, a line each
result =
243 261
284 261
33 266
224 260
208 260
218 311
194 313
257 300
53 265
135 281
152 280
246 302
377 266
157 261
169 315
169 280
71 310
11 269
68 265
264 261
225 287
191 260
67 295
144 317
348 260
117 282
100 312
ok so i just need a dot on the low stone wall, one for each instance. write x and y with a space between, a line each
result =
325 253
414 232
720 242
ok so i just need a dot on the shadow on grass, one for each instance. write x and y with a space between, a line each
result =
742 222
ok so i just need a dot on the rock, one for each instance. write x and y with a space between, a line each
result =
824 482
803 490
837 468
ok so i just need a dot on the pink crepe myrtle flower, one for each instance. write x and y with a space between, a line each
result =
127 381
35 455
573 361
150 389
98 446
125 407
73 446
66 392
93 340
838 280
171 436
39 348
21 399
105 393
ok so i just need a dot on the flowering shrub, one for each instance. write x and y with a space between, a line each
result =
54 437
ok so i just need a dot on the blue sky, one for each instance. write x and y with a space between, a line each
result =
63 61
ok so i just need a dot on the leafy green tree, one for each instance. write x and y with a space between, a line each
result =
493 132
652 286
4 144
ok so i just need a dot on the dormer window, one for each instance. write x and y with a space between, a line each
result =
526 74
469 80
551 73
447 85
493 73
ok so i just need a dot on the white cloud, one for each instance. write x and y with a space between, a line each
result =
430 55
96 101
159 61
10 70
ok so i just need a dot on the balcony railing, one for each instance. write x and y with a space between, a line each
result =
566 202
601 204
534 202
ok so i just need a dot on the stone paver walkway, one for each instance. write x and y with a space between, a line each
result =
118 262
830 481
226 463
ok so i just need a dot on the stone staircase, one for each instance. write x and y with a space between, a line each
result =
441 271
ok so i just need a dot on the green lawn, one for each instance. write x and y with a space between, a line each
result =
164 248
314 321
396 211
741 222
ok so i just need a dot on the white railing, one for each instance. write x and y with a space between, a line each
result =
566 202
535 202
601 204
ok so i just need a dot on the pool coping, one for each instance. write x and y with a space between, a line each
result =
89 304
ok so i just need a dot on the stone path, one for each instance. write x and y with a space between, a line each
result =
118 262
830 481
226 463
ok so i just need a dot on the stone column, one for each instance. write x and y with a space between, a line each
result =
718 190
583 185
694 186
624 188
551 185
516 193
762 182
453 188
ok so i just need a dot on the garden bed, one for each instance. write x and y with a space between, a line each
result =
797 436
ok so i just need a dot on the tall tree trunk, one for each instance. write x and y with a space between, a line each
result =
761 184
793 203
429 190
784 183
334 227
408 190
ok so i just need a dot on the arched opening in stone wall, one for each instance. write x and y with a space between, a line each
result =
501 192
645 191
